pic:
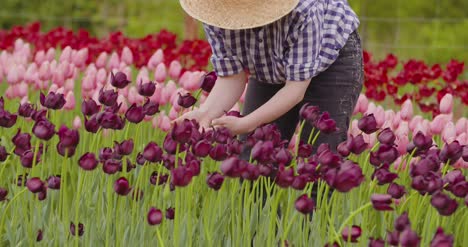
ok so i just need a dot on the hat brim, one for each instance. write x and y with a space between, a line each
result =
237 15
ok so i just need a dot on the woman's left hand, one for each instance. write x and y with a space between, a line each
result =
236 125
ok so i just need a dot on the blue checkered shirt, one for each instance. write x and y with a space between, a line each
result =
295 48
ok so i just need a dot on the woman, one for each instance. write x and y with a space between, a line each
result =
295 52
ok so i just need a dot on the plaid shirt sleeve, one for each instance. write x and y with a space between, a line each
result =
302 58
225 61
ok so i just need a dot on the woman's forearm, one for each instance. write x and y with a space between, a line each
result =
226 92
283 101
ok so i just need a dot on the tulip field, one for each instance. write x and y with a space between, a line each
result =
90 156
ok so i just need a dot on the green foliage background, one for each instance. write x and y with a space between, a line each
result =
433 30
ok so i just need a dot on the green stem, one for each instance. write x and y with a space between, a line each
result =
351 217
4 213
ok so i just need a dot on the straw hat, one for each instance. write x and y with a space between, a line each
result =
238 14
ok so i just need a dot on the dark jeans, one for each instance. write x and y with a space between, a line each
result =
335 90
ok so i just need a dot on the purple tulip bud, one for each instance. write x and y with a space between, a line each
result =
146 89
80 229
325 124
396 191
3 194
304 150
250 172
53 182
35 185
387 154
215 180
181 176
109 120
44 130
193 166
381 202
342 149
459 189
39 236
304 204
452 152
440 239
202 148
284 177
308 168
445 205
106 153
119 80
222 135
409 238
140 160
186 101
154 217
262 152
92 125
135 114
7 120
111 166
68 137
219 152
39 115
170 145
26 110
386 136
384 176
329 159
368 124
108 97
232 167
150 108
88 162
424 166
421 141
356 145
352 234
22 141
122 186
393 238
345 177
310 113
283 157
156 179
89 107
27 159
300 182
376 242
209 81
53 100
124 148
152 152
170 213
402 222
182 132
3 154
265 170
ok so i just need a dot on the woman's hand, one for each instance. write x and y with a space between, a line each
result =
236 125
202 117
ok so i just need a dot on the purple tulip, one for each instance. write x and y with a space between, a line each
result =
3 194
26 110
368 124
396 191
109 120
304 204
402 222
65 151
356 145
2 103
304 150
250 172
382 202
7 120
146 89
393 238
154 217
111 166
42 195
169 161
329 159
325 124
387 154
170 213
452 151
105 154
156 179
193 166
92 125
182 132
232 167
152 152
53 182
124 148
89 107
284 177
209 81
421 141
308 168
88 162
3 154
181 176
465 153
283 157
342 149
345 177
376 242
352 234
440 239
44 130
409 238
202 148
429 183
300 182
386 136
265 170
122 186
150 108
80 229
445 205
456 183
384 176
186 101
135 114
53 100
424 166
262 152
68 137
108 97
35 185
215 180
310 113
219 152
27 159
39 115
39 236
119 80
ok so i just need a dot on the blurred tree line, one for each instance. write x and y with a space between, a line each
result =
434 30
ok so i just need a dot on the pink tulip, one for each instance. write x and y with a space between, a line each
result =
127 56
58 77
95 95
461 126
407 110
24 100
416 120
446 104
69 85
143 76
50 55
101 77
18 45
449 133
379 115
361 105
175 69
370 108
13 75
79 60
134 97
122 66
61 90
167 92
160 74
156 58
114 61
10 92
31 73
21 90
164 122
292 142
77 123
439 122
40 57
128 72
91 69
396 120
353 128
389 115
88 83
174 100
157 93
371 139
397 164
401 143
462 138
461 164
403 129
101 60
195 81
53 88
66 54
184 78
41 85
155 121
173 114
124 92
124 107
